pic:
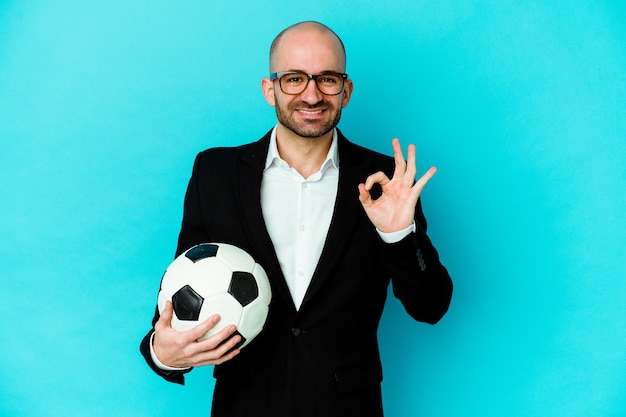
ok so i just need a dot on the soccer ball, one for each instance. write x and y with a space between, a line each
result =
217 278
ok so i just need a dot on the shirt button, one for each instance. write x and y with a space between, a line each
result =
296 332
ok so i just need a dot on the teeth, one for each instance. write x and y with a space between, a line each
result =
311 111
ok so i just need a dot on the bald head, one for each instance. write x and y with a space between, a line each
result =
306 29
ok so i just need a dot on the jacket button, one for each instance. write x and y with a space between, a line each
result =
296 332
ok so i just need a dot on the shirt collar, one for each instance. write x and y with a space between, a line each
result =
332 159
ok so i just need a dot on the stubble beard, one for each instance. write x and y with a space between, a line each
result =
313 129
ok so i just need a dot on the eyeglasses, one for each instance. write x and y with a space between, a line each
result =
295 82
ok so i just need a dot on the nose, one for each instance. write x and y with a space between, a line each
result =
311 94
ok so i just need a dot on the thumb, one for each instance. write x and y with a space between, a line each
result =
166 315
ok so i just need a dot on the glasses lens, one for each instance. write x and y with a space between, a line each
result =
330 84
293 83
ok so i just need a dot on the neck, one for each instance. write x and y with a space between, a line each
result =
305 155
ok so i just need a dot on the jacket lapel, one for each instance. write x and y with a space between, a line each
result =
351 172
249 182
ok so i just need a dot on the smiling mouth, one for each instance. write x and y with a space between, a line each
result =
311 112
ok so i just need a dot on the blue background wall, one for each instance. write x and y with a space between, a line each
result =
522 106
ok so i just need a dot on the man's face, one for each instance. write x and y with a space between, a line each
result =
311 113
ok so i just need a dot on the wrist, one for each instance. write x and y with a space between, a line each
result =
394 237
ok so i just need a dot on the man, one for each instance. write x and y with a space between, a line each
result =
303 202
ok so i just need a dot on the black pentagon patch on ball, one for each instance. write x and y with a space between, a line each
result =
205 250
243 287
187 304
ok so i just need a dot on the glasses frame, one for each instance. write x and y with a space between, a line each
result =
279 75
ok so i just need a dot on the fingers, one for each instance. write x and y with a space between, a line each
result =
195 332
377 177
218 348
411 167
405 171
202 328
193 347
398 156
214 349
364 189
421 183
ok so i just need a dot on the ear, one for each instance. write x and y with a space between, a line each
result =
347 92
268 91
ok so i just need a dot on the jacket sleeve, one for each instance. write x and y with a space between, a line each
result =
419 280
192 232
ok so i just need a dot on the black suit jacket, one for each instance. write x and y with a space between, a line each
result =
323 359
